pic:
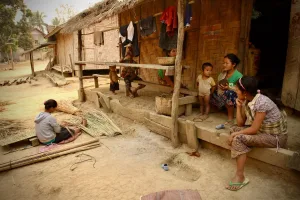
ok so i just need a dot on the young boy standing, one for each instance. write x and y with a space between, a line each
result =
114 79
206 86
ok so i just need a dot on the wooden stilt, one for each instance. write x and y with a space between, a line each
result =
178 70
80 75
72 65
32 64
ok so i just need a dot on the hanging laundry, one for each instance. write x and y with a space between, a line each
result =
98 38
188 15
169 17
147 26
167 42
128 35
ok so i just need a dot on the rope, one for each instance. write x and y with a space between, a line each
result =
90 158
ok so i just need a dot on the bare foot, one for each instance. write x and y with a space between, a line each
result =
236 179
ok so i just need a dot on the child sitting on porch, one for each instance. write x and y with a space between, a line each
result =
206 86
114 79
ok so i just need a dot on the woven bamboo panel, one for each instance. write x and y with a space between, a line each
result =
219 32
25 134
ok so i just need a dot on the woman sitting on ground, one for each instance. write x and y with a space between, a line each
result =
49 131
259 124
228 97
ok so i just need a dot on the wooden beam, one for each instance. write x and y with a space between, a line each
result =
32 63
167 88
178 70
147 66
187 100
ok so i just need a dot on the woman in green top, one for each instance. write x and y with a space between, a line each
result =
228 97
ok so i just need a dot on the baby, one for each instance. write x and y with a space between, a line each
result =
114 79
222 82
206 86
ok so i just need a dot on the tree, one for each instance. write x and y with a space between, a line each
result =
55 21
64 13
37 20
25 40
10 32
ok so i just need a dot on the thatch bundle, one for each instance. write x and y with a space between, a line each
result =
67 107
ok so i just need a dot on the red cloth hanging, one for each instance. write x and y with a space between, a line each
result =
169 17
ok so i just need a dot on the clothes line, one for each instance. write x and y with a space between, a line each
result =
136 22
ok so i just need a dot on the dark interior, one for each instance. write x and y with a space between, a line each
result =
269 33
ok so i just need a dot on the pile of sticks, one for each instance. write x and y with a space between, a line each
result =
18 81
39 157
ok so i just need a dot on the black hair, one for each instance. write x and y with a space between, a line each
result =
207 64
51 103
248 84
233 59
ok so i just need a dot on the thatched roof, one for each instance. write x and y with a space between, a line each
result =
98 13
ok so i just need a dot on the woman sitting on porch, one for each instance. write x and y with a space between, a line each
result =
259 124
228 97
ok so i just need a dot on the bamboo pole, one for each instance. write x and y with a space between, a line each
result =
48 157
50 152
178 70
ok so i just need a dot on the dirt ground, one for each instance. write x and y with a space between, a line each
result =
128 166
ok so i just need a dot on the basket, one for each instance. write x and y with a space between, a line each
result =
163 105
166 60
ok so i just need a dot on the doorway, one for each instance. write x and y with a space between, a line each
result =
268 36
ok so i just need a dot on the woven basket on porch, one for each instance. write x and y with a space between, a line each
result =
166 60
163 105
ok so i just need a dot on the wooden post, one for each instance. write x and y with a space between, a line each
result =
72 65
32 63
246 12
12 58
96 82
178 70
62 70
80 75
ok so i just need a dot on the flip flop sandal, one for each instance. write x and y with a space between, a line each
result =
238 185
197 120
220 126
229 122
165 167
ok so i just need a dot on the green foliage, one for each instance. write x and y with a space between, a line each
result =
56 21
16 34
37 20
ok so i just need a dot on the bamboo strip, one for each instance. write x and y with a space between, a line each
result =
82 148
51 152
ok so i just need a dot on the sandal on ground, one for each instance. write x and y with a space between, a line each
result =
229 122
238 185
220 126
197 119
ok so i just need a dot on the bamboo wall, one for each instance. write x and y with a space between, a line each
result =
65 46
109 52
214 32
